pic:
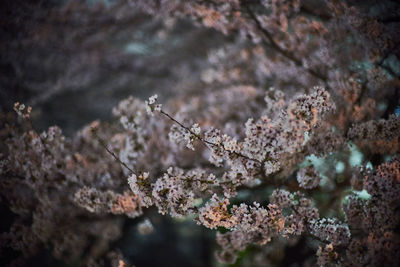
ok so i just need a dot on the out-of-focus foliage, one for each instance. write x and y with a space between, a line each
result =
62 55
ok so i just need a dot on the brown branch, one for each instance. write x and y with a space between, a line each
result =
280 50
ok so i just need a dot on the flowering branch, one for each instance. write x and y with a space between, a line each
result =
25 113
205 142
151 106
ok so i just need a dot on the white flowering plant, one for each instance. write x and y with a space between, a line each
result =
287 146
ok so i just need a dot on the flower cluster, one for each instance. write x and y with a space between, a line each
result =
252 225
330 230
381 135
215 214
301 211
151 105
22 111
181 135
308 178
174 192
139 186
108 202
377 215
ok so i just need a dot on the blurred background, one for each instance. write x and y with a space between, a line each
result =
75 60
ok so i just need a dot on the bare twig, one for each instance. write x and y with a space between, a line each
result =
104 145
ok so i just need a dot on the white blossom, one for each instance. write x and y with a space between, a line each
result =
151 105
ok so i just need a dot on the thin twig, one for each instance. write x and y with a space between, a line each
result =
103 144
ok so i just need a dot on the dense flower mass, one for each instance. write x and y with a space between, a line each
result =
308 178
286 144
